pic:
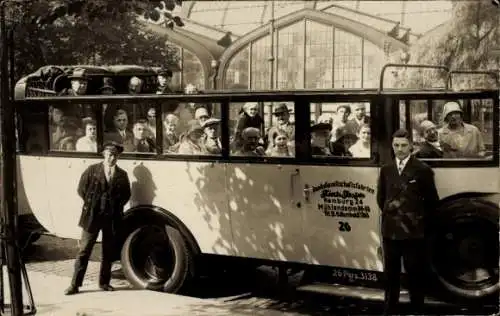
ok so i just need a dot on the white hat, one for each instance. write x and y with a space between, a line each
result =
450 107
425 125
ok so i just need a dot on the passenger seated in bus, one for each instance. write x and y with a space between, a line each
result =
211 139
459 139
119 132
340 147
282 114
250 143
107 86
201 114
170 137
361 149
319 137
59 127
151 123
279 145
191 141
88 142
67 144
248 117
360 117
339 122
164 81
135 85
79 82
430 148
141 143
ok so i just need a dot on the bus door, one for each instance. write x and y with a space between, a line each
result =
265 220
340 213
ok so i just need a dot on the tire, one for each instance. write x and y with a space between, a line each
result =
464 250
156 258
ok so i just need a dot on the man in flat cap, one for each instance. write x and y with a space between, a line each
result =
105 189
431 147
250 143
164 79
320 133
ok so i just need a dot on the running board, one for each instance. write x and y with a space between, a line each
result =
358 292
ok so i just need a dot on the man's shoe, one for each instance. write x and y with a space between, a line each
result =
106 287
71 290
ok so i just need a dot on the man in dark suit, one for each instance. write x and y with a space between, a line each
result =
406 195
105 189
431 147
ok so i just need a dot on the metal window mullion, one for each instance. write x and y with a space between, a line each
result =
304 54
333 56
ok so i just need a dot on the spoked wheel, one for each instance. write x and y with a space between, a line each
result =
156 258
465 256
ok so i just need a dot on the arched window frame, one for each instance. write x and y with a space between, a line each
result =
365 32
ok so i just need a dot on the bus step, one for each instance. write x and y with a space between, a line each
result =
358 292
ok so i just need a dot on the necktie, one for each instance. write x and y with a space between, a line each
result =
108 174
400 166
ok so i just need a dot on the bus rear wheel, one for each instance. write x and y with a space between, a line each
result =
156 258
464 250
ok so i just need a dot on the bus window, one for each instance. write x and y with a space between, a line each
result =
457 129
262 129
132 125
341 130
32 129
66 127
191 129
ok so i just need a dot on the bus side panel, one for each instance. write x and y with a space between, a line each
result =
32 190
266 222
451 181
195 192
341 216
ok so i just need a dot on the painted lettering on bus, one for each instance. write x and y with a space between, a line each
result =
343 199
343 184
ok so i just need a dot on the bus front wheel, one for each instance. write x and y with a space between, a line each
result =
156 258
464 250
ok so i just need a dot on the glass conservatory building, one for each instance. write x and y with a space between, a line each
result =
296 44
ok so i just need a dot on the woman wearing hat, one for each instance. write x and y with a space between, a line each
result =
459 139
191 142
211 140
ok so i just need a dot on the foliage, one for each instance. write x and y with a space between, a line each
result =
86 32
465 42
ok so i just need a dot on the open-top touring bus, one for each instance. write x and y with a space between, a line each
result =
279 178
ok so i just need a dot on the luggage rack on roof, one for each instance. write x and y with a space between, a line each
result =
53 79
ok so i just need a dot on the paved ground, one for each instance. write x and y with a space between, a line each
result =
50 264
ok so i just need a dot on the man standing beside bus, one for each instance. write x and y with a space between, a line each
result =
406 195
105 189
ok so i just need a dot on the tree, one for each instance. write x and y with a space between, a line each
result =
88 32
466 41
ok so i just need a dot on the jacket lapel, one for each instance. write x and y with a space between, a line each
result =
101 176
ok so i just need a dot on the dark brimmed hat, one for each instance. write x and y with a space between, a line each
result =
321 127
165 72
113 147
209 122
79 73
107 83
281 108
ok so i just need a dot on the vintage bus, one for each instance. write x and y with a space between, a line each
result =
267 196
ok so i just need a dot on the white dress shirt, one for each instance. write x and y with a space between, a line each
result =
401 164
109 171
